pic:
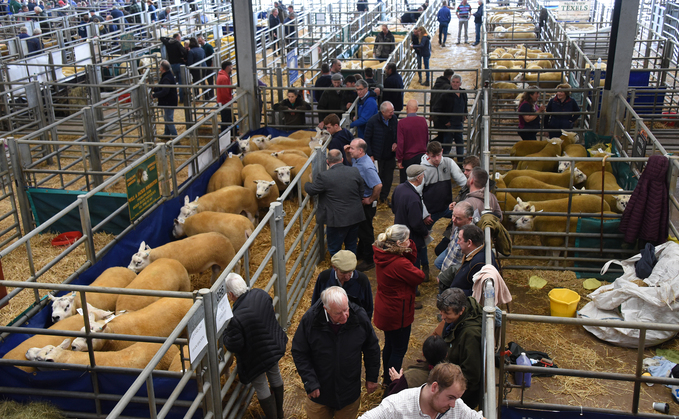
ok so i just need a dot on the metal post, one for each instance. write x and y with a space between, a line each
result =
277 226
24 206
245 43
92 136
214 397
86 224
142 102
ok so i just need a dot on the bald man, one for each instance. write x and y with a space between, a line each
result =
411 139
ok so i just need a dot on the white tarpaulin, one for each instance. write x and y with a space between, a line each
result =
625 300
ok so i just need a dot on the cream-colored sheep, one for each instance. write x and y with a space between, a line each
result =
525 147
247 145
135 356
618 203
276 168
552 149
504 86
116 277
177 364
231 199
157 319
574 150
297 162
579 204
586 167
197 253
556 179
228 174
291 151
539 188
73 324
235 227
258 180
162 274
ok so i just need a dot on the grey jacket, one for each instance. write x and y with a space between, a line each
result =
339 190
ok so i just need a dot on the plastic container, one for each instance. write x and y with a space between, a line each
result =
563 302
523 378
66 239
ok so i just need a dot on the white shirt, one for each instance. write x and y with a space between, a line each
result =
406 405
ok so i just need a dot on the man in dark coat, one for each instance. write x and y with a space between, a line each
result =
340 189
332 337
324 80
176 55
441 83
258 341
344 274
393 81
332 99
406 203
167 97
274 20
381 133
454 102
340 136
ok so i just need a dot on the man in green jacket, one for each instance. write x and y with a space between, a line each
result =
462 317
14 7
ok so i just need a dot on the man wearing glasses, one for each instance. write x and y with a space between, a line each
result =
367 107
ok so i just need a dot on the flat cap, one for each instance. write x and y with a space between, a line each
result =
344 260
414 170
337 76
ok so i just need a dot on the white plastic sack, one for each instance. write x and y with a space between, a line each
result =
624 300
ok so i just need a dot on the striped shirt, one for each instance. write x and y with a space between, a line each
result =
463 11
455 255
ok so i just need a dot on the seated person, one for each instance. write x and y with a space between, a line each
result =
471 241
435 351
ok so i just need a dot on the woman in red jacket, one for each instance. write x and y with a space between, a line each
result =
397 280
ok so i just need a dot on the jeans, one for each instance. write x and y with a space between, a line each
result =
426 66
176 70
464 23
439 259
169 117
459 140
386 173
366 235
478 32
260 382
338 235
447 213
395 348
443 30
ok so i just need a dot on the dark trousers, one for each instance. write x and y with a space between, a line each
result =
406 163
226 121
386 172
445 138
528 135
210 81
338 235
422 258
366 235
176 70
458 139
395 348
443 32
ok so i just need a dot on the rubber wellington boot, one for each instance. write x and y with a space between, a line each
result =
278 392
269 407
425 269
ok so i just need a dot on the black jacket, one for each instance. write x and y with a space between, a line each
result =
293 114
394 81
332 362
339 190
406 204
450 102
254 335
176 53
273 22
167 96
324 80
380 137
357 288
339 140
478 14
332 100
441 83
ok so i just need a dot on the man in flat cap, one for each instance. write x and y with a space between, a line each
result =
410 211
344 274
332 99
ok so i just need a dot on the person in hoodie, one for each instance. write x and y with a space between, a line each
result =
477 184
224 94
434 351
397 281
294 109
438 173
461 329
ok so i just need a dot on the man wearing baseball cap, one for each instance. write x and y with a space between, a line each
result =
344 274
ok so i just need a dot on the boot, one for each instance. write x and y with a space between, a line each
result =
278 392
425 269
269 407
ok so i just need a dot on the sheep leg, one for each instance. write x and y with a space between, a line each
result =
216 270
555 258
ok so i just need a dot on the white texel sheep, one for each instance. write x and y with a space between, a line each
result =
161 274
135 356
556 179
228 174
235 227
196 253
116 277
258 180
536 189
618 203
276 168
156 319
231 199
247 145
579 204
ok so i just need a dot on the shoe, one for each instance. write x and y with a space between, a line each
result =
426 83
419 81
425 269
279 394
466 42
365 266
458 42
475 44
418 305
443 45
268 405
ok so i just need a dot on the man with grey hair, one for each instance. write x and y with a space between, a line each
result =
332 337
366 108
339 190
258 341
381 132
463 214
35 44
454 102
167 96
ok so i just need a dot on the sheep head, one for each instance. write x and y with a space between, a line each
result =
141 259
564 165
80 344
525 222
322 136
572 137
621 201
189 209
62 307
261 141
49 353
244 145
178 228
578 176
521 206
263 188
283 174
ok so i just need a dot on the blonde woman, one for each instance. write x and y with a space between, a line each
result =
397 281
421 43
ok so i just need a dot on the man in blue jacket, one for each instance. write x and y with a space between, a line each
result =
443 17
367 107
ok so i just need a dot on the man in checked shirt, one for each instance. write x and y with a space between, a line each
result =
463 213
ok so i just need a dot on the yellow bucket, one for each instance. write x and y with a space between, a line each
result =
563 302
